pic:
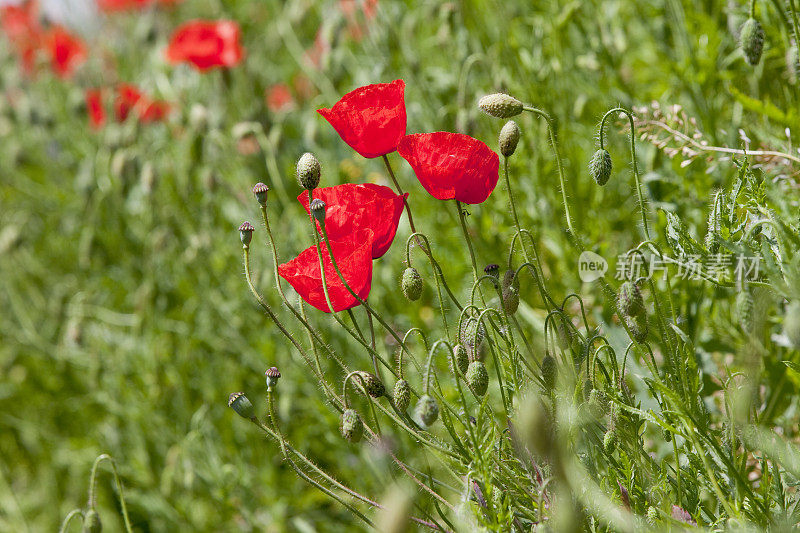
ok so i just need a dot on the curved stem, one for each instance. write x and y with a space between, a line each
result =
93 481
67 519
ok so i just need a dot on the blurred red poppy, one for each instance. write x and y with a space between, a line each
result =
279 98
351 207
130 98
371 119
124 5
206 44
452 165
354 259
21 25
94 106
66 51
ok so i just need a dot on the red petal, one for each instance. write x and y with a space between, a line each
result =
351 207
452 165
206 44
371 119
354 259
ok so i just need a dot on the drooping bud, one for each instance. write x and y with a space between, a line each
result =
549 371
260 191
402 395
478 378
500 105
598 403
629 300
610 441
510 279
308 171
318 210
791 324
371 384
246 233
352 428
427 410
509 138
752 41
411 284
91 522
241 404
461 358
637 326
510 300
273 375
600 166
471 335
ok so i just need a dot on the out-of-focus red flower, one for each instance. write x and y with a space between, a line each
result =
206 44
279 98
131 99
370 9
94 106
66 51
351 207
353 257
371 119
125 5
21 25
452 165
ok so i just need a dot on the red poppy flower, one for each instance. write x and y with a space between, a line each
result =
353 257
452 165
371 119
122 5
206 44
351 207
66 51
94 105
21 25
130 98
279 98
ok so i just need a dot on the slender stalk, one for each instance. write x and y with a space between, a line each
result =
93 482
67 519
463 222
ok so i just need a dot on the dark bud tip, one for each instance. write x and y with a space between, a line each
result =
241 404
318 210
260 191
272 374
246 232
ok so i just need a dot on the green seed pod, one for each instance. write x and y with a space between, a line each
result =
372 385
91 522
510 300
317 208
509 138
478 378
427 410
638 327
791 323
743 309
308 171
461 358
246 233
629 300
549 371
652 516
600 166
510 280
352 428
752 41
402 395
260 191
239 403
610 441
411 284
500 105
273 375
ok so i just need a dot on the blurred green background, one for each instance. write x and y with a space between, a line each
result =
125 321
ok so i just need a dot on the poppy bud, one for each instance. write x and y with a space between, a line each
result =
461 359
600 166
743 309
791 323
549 371
510 300
752 41
629 300
372 385
427 410
91 522
471 335
500 105
478 378
239 403
246 233
273 375
318 210
493 270
411 284
509 137
308 171
401 395
352 428
638 327
610 441
598 403
260 191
